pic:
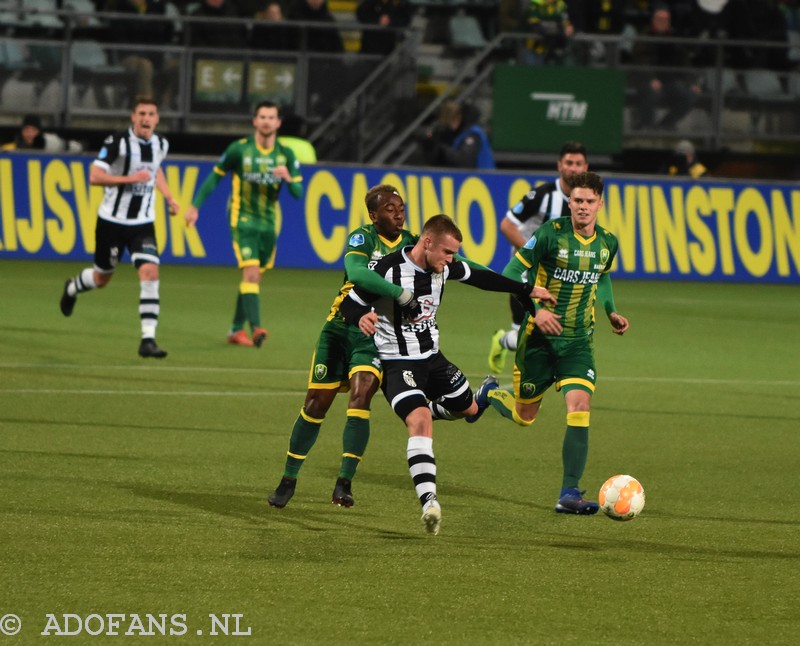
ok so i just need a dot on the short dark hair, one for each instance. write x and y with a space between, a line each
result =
143 99
376 194
267 104
572 148
442 225
32 120
592 181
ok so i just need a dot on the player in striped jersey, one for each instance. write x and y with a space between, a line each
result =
542 203
260 166
344 359
572 258
129 168
419 382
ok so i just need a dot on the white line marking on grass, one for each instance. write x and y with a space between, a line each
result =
149 368
711 382
173 393
296 371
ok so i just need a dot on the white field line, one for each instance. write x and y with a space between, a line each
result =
163 393
697 381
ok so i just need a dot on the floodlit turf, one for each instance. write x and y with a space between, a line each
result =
132 486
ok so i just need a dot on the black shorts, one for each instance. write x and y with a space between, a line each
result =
111 240
408 385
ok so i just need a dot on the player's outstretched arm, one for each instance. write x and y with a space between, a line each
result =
619 323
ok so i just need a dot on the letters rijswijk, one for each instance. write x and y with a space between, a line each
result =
698 230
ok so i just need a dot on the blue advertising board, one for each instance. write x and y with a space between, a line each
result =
668 229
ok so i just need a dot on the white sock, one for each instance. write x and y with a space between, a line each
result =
422 466
83 282
149 307
509 340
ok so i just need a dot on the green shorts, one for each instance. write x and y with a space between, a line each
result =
342 350
542 361
254 247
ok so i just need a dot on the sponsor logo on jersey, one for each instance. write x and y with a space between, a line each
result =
114 256
103 153
246 252
584 253
408 377
356 240
576 276
590 374
377 363
320 370
527 390
531 243
563 253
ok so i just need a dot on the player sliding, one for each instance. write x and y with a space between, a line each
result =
571 257
419 382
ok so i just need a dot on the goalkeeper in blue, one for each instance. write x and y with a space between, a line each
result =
571 257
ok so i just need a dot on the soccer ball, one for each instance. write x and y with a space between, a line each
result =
621 497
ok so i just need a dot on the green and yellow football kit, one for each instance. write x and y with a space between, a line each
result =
253 211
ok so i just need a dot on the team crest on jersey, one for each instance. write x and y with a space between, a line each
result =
408 377
604 254
356 240
527 390
531 243
320 371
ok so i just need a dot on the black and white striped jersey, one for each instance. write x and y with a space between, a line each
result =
540 204
124 154
397 338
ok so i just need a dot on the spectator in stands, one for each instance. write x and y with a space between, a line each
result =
270 29
708 19
548 21
150 68
217 33
457 140
761 20
32 137
604 17
317 40
390 14
684 162
677 91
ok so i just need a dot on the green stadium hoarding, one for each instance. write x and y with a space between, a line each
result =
668 229
537 109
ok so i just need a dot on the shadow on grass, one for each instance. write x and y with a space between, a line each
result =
256 511
127 425
67 454
671 550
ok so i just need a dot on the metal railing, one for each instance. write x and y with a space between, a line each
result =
358 107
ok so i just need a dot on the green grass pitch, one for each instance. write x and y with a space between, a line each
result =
135 487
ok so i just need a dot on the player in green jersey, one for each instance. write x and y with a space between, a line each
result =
572 258
344 358
260 165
